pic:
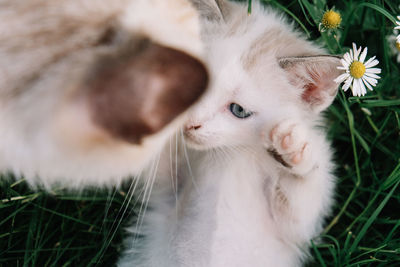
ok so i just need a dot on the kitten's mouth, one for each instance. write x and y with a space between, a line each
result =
194 141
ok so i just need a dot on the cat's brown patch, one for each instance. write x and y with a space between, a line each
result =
141 90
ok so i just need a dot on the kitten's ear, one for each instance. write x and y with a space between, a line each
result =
212 9
315 76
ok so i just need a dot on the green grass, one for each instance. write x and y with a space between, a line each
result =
62 229
59 228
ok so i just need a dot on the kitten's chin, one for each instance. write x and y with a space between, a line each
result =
196 143
196 146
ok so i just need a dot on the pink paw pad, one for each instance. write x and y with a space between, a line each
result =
289 144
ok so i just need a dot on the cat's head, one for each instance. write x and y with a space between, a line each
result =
263 72
92 89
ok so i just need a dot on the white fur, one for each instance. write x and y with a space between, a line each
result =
46 134
236 205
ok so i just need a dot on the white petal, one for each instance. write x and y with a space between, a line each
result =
362 87
370 80
354 46
351 55
342 77
344 63
398 17
347 84
372 62
343 68
347 59
356 51
367 84
363 55
373 70
372 75
355 89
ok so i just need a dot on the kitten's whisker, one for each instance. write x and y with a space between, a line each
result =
176 175
188 162
142 198
146 198
174 167
171 163
109 202
224 152
120 215
174 172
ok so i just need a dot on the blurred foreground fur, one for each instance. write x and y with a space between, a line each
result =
90 90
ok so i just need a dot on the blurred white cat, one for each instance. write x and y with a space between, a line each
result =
91 90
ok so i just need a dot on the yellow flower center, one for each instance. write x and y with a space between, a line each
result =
357 69
398 46
331 19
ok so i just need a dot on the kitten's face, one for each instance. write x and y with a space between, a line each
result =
238 105
262 72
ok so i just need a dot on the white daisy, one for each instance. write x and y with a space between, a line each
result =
398 28
358 74
394 45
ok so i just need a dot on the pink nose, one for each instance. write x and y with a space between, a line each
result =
193 127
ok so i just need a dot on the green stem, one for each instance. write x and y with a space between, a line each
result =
358 180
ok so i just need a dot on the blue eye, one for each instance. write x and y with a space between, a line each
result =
239 111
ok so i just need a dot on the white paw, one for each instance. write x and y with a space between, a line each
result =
288 142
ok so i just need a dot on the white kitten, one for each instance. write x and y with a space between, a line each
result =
258 182
91 90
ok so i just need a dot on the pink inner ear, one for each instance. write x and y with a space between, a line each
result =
312 90
315 76
310 93
319 90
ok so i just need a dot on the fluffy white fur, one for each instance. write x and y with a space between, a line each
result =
46 47
226 200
